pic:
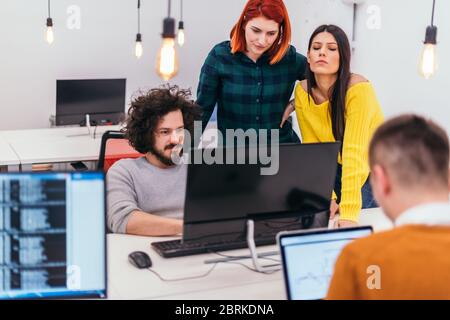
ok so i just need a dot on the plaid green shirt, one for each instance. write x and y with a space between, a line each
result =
248 94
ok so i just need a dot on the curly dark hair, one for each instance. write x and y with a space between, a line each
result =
147 109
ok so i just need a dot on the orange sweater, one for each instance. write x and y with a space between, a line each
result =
413 261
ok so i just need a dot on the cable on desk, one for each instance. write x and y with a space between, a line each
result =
241 257
250 268
184 278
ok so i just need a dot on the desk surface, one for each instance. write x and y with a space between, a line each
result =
50 133
7 155
227 281
54 144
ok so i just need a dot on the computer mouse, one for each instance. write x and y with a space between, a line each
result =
140 260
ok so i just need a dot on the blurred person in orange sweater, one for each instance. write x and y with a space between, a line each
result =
409 162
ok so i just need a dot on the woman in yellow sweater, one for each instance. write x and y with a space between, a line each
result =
333 104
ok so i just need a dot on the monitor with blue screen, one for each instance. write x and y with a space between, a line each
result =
308 258
52 235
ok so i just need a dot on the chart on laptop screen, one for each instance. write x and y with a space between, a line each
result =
309 261
51 235
311 276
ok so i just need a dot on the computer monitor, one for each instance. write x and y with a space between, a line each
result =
102 99
309 256
220 198
52 235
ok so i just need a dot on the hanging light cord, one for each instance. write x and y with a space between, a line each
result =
169 7
139 16
432 13
355 8
49 8
181 10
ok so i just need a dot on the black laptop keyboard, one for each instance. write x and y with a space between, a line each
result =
177 248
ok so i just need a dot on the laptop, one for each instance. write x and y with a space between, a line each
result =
52 235
309 256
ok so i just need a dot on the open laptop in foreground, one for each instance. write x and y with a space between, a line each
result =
309 256
52 235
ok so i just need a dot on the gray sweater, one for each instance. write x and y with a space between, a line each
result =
135 184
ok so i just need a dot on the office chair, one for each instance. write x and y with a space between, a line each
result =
114 146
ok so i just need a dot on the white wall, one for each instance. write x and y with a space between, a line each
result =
103 48
389 57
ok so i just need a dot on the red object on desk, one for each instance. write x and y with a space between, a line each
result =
117 149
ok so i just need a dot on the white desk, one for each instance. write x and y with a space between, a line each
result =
227 281
54 145
8 158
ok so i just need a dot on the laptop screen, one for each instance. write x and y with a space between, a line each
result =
52 235
309 258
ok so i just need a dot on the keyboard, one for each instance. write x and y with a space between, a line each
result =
179 248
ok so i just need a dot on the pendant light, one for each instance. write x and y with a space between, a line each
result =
49 33
167 59
428 59
180 35
138 45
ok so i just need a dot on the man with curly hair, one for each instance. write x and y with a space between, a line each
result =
146 195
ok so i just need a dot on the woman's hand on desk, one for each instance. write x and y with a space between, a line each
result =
287 112
339 223
345 223
334 208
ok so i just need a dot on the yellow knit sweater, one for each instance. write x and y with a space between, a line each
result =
363 115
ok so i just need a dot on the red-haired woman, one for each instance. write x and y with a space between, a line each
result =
251 77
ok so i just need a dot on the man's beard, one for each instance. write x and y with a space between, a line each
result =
163 158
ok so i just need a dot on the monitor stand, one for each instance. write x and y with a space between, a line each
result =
88 126
254 255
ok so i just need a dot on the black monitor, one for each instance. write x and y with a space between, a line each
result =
102 99
52 235
220 198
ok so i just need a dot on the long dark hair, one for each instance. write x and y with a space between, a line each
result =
339 90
